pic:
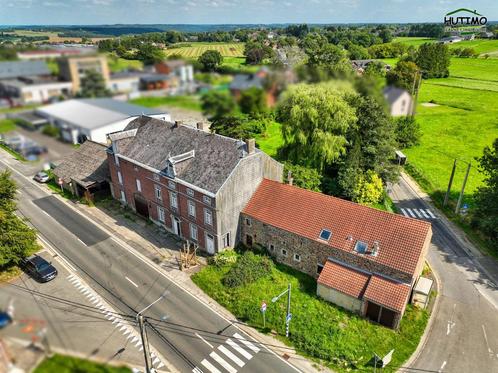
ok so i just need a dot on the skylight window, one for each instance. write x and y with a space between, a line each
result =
325 234
361 247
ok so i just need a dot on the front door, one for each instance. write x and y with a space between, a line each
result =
176 226
209 243
141 206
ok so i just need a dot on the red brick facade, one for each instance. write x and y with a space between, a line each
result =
148 182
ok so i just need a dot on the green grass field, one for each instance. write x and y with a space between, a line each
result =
117 64
271 140
481 46
7 125
67 364
183 102
345 341
196 49
415 41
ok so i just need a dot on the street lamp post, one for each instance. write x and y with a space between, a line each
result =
143 334
289 315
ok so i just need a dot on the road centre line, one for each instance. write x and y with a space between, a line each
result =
202 339
131 282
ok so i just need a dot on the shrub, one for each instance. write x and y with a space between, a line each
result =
224 258
248 269
51 131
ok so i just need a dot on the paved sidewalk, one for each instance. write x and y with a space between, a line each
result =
162 248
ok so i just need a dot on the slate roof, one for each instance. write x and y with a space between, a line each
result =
344 279
393 295
156 141
16 69
87 165
92 113
241 82
392 94
401 240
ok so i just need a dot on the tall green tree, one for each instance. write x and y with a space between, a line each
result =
216 104
434 60
210 60
93 85
485 214
252 101
404 75
149 54
315 120
17 240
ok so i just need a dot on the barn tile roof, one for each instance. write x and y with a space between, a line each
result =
387 293
344 279
87 165
400 239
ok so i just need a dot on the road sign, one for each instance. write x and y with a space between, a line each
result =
288 318
263 307
387 359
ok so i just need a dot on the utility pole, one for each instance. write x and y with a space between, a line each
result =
415 99
457 209
145 343
447 196
289 315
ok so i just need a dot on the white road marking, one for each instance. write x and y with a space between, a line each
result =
210 366
239 349
202 339
81 241
411 213
486 339
46 213
156 361
404 212
65 262
425 214
231 356
131 282
442 367
246 342
138 343
418 213
196 370
161 364
431 214
222 362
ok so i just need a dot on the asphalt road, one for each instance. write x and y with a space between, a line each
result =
464 335
190 335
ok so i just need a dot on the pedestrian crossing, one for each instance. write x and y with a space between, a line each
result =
418 213
233 355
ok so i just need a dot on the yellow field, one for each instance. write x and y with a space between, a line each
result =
196 49
53 37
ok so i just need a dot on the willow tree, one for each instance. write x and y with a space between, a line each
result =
315 120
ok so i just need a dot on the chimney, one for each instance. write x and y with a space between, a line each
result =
178 123
203 126
251 146
375 249
290 179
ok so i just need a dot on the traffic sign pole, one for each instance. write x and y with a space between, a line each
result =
263 311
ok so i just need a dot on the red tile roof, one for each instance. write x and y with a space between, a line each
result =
344 279
303 212
393 295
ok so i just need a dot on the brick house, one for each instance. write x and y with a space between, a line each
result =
364 259
189 181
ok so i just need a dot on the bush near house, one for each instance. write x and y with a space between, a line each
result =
343 341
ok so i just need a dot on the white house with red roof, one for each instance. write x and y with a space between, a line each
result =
365 260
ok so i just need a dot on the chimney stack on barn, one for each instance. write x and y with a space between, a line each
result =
251 146
203 126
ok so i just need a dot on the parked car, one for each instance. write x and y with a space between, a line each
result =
41 177
39 268
5 319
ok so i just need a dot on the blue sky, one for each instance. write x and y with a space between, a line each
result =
39 12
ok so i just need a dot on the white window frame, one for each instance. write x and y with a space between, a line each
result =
171 184
193 231
173 200
206 200
120 177
116 159
208 217
158 193
190 192
226 239
191 208
123 196
284 252
297 257
138 184
160 214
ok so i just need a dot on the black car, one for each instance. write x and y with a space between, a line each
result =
39 268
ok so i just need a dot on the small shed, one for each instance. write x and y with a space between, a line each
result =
400 157
85 172
422 291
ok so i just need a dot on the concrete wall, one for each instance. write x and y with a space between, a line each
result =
239 188
345 301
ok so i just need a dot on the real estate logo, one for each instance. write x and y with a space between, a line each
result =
464 20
